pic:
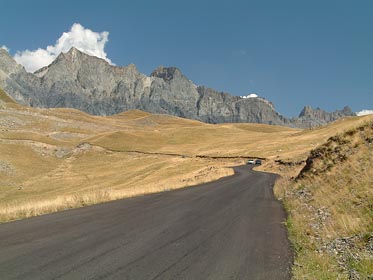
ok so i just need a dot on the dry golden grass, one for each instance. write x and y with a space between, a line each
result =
5 97
83 181
44 169
333 200
41 158
55 159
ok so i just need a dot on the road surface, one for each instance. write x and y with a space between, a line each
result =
228 229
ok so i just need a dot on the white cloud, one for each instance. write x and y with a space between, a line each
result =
85 40
5 48
251 95
364 112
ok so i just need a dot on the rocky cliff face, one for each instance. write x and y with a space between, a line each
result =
77 80
310 117
220 107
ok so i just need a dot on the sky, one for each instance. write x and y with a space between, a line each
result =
293 53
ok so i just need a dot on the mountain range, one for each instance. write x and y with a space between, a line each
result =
77 80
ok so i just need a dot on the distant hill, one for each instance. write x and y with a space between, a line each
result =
77 80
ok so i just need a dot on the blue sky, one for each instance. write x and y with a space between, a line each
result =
293 53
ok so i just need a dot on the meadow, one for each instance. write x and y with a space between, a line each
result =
56 159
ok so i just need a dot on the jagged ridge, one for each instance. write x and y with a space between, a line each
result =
77 80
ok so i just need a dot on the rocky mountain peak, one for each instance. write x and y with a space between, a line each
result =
73 55
315 117
307 111
3 52
71 62
347 111
7 63
132 67
167 73
78 80
74 51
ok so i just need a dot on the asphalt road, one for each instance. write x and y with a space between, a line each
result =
227 229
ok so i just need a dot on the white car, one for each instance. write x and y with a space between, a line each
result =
250 161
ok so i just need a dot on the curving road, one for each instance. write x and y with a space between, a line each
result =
227 229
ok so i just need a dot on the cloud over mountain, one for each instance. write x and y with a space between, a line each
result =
84 39
364 112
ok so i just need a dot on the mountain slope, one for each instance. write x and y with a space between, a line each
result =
4 97
77 80
53 159
330 206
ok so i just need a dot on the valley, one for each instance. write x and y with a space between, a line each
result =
57 159
186 140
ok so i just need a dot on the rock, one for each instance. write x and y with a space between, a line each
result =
84 146
6 168
353 275
317 117
77 80
221 107
289 163
61 152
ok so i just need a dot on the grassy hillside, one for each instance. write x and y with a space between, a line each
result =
330 206
54 159
5 97
47 164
